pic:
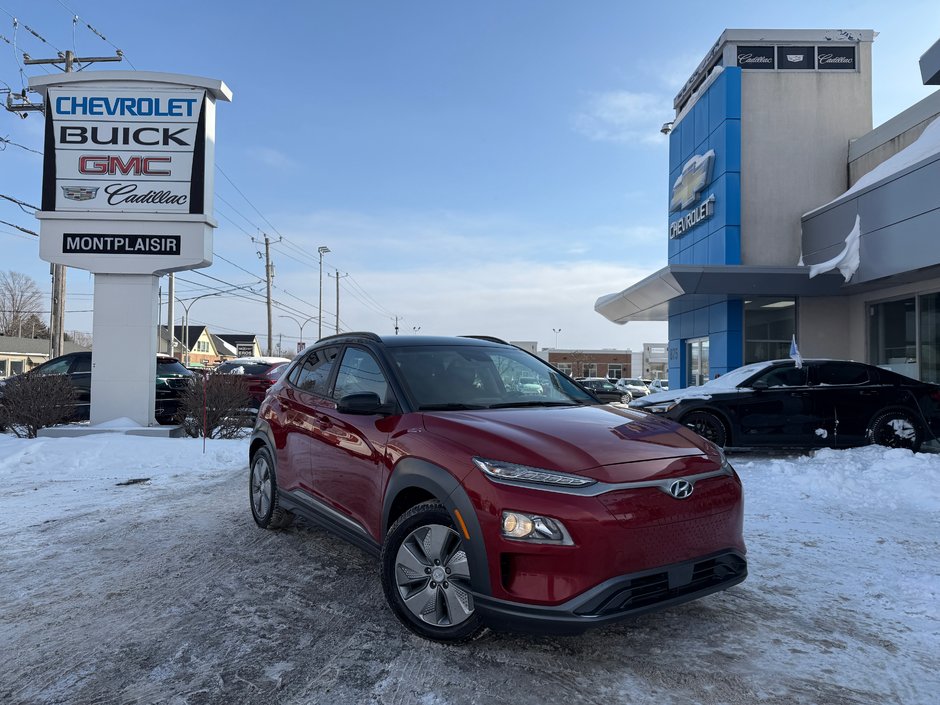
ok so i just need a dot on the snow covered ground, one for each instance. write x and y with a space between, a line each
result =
163 590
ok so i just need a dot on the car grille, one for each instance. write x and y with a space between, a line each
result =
671 583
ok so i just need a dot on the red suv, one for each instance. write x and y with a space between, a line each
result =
548 512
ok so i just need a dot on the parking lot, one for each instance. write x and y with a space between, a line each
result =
165 591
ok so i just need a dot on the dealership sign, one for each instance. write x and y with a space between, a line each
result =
127 174
125 149
687 190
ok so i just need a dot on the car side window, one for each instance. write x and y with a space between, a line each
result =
841 373
359 373
82 364
313 374
784 377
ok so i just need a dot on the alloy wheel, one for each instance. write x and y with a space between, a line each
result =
433 577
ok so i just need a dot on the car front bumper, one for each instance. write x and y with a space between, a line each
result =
618 598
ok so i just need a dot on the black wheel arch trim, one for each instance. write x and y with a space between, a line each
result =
424 475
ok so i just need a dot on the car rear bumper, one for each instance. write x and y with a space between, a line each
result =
618 598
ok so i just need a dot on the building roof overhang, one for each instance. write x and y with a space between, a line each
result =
648 300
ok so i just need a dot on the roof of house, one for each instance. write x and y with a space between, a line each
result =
235 338
32 346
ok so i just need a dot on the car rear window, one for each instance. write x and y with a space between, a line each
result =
171 368
244 368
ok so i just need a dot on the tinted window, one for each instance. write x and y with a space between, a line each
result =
359 373
174 367
82 364
784 377
244 368
313 374
841 373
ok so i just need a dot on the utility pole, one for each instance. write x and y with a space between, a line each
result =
338 277
66 62
269 277
322 249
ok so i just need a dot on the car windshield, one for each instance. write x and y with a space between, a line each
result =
599 385
635 382
452 377
736 377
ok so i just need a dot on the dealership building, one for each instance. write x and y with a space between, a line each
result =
788 215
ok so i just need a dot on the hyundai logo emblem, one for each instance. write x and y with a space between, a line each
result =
680 489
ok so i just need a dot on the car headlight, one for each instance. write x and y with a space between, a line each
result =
523 474
521 526
659 408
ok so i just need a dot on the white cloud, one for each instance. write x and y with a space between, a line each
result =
624 117
272 158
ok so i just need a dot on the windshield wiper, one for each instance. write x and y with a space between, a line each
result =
520 404
449 407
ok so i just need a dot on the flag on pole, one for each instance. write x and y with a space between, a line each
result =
795 353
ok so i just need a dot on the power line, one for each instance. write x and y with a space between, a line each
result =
5 141
25 230
247 200
22 204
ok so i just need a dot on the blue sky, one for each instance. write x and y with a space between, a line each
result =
479 167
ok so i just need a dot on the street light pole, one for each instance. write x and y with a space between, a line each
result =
186 319
556 331
299 324
322 249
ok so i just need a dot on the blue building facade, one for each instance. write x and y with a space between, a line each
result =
706 331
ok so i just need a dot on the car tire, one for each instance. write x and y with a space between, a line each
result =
426 577
263 493
708 426
896 429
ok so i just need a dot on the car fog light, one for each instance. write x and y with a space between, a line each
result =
535 528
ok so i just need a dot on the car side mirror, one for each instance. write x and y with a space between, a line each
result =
760 384
364 403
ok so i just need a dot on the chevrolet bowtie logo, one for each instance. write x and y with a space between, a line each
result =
693 179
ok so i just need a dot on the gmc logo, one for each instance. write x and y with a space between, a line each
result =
134 166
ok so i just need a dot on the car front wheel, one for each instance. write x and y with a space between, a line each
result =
708 426
426 576
895 429
263 493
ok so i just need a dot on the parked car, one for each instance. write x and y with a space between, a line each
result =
826 403
259 372
637 387
601 388
486 505
658 385
171 381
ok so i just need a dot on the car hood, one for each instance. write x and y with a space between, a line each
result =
582 439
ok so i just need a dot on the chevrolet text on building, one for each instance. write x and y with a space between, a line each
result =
687 189
127 194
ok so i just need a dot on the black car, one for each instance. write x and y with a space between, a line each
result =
172 380
823 404
601 388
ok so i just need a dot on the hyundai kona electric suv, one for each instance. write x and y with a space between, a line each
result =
489 506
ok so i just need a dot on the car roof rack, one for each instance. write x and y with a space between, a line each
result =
488 338
368 335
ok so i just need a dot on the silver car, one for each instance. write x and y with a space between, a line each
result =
635 386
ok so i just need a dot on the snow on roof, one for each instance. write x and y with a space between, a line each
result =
924 147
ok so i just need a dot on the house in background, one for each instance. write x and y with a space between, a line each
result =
243 344
19 355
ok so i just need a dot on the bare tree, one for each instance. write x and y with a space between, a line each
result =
19 300
79 337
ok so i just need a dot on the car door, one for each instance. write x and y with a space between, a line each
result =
845 398
778 412
300 403
349 464
80 377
